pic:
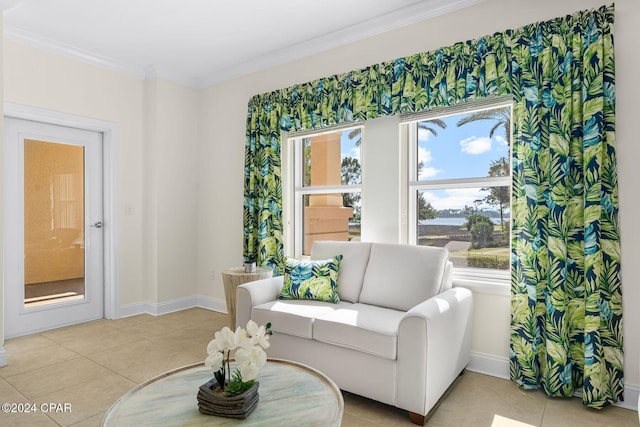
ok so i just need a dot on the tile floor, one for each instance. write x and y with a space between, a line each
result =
90 366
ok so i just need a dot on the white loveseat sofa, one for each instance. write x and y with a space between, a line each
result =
399 335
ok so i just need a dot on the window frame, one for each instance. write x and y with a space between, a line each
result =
412 185
294 189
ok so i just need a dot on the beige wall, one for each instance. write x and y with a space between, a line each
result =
221 120
223 111
40 79
156 177
170 183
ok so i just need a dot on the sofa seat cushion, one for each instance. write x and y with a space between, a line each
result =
362 327
293 317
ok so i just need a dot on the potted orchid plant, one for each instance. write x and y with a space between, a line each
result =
249 345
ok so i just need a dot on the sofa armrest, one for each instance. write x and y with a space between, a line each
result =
254 293
434 346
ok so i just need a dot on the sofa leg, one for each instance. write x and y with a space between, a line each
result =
417 418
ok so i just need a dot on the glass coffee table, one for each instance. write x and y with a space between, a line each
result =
290 393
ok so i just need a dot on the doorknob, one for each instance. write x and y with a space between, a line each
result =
98 224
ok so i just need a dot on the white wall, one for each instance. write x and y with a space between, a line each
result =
380 191
222 121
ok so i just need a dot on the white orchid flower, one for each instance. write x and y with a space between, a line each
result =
252 327
258 334
213 346
250 361
243 339
225 340
248 343
214 361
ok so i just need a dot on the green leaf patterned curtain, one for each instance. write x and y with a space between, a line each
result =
566 327
566 331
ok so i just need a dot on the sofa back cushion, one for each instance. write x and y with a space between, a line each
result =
401 276
355 256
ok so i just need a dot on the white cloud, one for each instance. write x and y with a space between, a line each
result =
425 157
426 173
354 153
454 198
501 140
423 135
475 145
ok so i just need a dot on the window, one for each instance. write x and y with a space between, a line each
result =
459 184
327 181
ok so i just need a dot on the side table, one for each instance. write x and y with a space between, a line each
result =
234 277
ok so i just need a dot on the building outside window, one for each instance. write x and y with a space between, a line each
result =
459 184
327 176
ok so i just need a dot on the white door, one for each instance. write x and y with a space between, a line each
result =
52 227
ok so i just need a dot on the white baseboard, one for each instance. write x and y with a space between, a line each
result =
3 357
158 309
496 366
213 304
631 396
489 365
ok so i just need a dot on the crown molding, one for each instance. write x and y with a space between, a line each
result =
73 52
69 51
381 24
415 13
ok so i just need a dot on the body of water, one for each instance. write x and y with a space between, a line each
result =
455 221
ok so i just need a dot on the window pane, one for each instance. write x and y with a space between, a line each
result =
332 158
472 223
469 145
330 217
54 256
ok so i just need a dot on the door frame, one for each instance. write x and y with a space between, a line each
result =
109 132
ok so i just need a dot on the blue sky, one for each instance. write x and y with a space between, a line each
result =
460 152
456 152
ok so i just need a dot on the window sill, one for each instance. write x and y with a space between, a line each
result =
484 285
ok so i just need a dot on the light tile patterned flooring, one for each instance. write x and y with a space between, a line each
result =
91 365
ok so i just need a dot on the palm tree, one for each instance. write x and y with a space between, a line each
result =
356 133
500 196
501 116
426 125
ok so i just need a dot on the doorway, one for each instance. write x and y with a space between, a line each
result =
53 226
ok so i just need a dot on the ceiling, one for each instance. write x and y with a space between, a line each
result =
203 42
